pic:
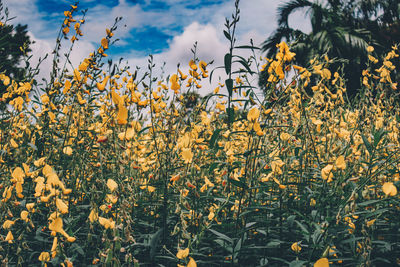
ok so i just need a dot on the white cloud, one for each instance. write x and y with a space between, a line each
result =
209 47
203 24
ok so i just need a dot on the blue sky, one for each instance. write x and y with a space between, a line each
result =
167 29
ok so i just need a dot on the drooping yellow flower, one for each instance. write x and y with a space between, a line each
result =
13 143
29 207
61 206
24 215
182 253
39 162
340 163
253 114
192 262
107 223
9 237
323 262
112 198
67 86
112 185
67 150
192 65
56 225
187 155
77 75
122 116
296 247
326 172
183 76
174 83
18 175
371 222
7 224
151 189
54 247
93 216
44 256
104 43
389 189
284 136
101 86
257 129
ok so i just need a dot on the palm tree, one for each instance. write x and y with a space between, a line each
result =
341 29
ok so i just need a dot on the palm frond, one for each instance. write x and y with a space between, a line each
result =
286 9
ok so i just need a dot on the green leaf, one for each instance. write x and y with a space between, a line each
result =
378 136
238 183
247 47
228 63
227 35
109 257
229 86
214 138
231 114
222 236
154 241
303 228
367 144
245 65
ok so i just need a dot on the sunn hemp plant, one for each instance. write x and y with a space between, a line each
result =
106 166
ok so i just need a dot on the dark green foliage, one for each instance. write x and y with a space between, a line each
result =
340 29
12 40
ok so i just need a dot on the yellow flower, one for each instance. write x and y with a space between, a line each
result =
7 224
13 143
9 237
284 136
104 43
326 172
182 253
54 247
24 215
102 85
151 189
77 75
18 175
107 223
174 83
389 189
257 129
296 247
44 256
93 216
323 262
67 86
122 115
56 226
30 206
39 162
340 163
61 206
192 263
187 155
192 65
370 49
111 198
253 114
371 222
112 185
67 150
